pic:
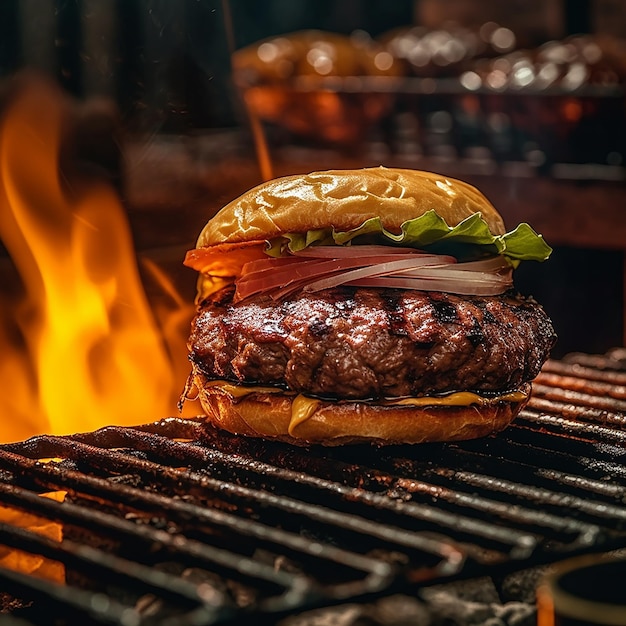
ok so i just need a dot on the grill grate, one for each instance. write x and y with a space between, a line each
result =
175 523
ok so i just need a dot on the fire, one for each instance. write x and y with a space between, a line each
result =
80 346
26 562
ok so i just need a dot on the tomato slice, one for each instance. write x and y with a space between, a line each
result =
225 259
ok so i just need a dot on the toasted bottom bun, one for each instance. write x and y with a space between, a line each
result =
272 414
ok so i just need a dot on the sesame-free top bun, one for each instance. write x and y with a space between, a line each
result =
344 199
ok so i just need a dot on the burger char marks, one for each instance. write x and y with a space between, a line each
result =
365 343
391 301
444 311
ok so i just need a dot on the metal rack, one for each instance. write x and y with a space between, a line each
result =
174 522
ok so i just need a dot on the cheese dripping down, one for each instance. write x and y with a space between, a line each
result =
303 407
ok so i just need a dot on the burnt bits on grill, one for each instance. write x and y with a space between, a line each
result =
362 343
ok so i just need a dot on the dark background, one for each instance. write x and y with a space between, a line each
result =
165 64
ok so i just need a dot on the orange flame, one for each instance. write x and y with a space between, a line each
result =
26 562
81 348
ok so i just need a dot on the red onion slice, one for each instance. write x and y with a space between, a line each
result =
274 273
314 269
267 264
264 275
432 284
455 274
379 269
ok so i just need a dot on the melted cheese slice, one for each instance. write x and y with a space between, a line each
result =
458 398
239 391
303 408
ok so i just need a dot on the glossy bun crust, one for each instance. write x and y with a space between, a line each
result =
269 416
344 199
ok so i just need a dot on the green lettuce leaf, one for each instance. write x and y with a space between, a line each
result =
469 239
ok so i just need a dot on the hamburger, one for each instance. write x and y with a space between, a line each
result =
372 305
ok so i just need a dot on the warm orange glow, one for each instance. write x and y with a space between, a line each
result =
25 562
545 606
258 134
572 110
81 349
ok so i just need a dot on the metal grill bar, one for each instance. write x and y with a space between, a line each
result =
240 468
71 603
105 566
575 412
572 368
202 554
176 523
51 477
582 398
196 483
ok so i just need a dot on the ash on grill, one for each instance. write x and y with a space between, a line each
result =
175 523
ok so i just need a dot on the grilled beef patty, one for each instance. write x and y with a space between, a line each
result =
359 343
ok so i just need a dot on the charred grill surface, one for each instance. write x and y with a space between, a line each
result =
177 523
362 343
